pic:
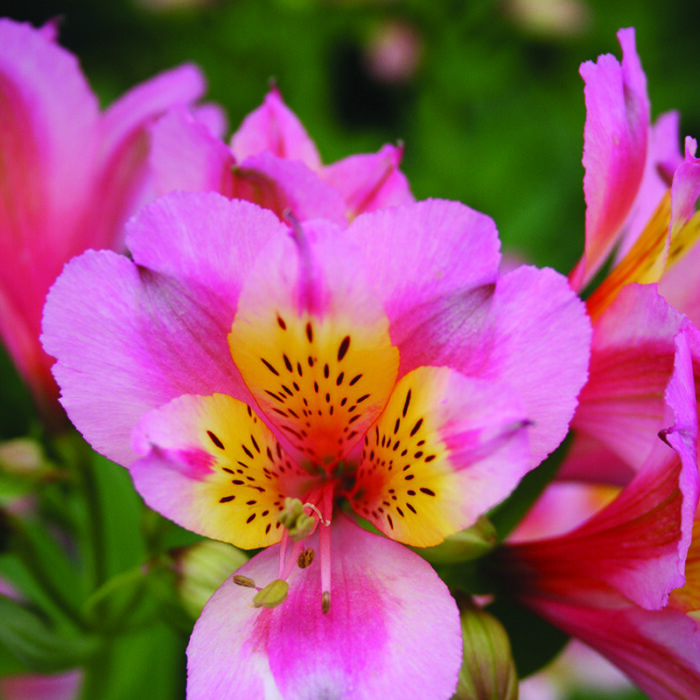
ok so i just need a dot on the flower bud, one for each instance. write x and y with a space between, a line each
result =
203 568
488 670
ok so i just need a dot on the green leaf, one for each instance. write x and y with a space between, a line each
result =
43 647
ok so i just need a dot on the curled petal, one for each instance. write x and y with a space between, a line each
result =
392 629
615 149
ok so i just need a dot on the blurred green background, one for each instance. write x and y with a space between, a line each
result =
485 95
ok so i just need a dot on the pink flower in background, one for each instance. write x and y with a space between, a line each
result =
58 686
626 580
249 374
69 176
272 161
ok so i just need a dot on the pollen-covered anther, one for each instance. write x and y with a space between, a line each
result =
274 594
295 520
326 602
306 558
244 581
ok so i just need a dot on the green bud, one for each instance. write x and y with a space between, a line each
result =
203 568
488 670
272 595
472 543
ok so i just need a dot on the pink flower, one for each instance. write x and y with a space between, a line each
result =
625 581
272 161
640 196
58 686
250 375
69 176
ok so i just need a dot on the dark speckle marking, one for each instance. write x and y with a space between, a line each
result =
406 404
250 518
355 379
427 492
416 427
281 323
226 499
214 438
309 332
287 363
343 347
270 367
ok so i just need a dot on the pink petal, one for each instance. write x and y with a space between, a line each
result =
283 185
123 177
420 252
530 335
637 545
446 449
142 340
622 405
659 650
48 141
392 630
615 149
369 182
312 343
206 240
686 186
663 157
274 127
538 347
211 465
185 155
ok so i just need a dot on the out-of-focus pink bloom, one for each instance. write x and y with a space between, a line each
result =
69 176
249 369
272 161
393 52
625 580
58 686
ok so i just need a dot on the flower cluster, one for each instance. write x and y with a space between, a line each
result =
301 359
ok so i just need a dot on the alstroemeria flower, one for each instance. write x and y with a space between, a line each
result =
69 176
625 580
641 196
250 375
272 161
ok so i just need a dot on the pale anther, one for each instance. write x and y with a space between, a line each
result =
274 594
244 581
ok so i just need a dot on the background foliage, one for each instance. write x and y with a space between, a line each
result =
491 112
